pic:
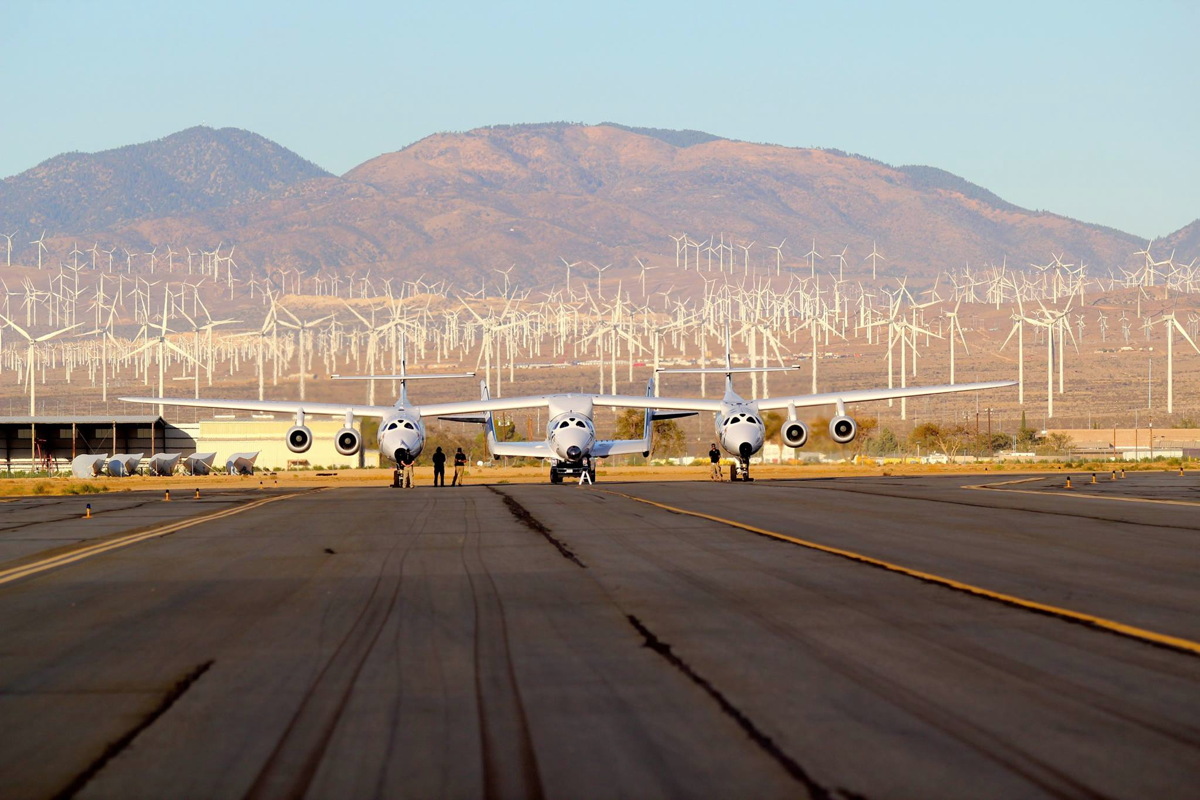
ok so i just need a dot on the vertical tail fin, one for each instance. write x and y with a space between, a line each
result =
648 422
403 369
729 359
489 425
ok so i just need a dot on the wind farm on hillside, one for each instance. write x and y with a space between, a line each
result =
1089 347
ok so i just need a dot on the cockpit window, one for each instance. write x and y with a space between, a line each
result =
579 424
752 419
564 424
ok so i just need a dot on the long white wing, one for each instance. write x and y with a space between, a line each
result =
799 401
522 449
643 401
866 395
618 447
276 406
473 407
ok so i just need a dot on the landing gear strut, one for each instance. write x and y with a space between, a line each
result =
740 470
395 479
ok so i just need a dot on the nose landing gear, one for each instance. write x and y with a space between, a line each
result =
740 470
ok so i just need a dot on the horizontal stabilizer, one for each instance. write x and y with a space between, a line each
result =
478 419
402 377
726 370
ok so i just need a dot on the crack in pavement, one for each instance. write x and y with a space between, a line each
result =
528 520
760 738
116 747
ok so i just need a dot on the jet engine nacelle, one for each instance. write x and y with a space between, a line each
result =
842 429
348 441
299 438
795 433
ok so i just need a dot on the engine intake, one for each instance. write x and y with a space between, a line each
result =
842 429
299 438
348 441
795 433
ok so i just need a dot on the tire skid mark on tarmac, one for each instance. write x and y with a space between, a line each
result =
1028 766
116 747
1142 635
293 763
510 767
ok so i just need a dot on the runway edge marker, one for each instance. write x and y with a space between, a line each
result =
87 551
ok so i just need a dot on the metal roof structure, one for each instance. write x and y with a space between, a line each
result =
128 419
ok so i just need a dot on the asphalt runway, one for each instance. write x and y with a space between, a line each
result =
1014 640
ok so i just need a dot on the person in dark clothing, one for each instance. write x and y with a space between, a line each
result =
460 464
408 464
714 458
439 468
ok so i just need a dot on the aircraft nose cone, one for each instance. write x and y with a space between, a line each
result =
574 452
745 448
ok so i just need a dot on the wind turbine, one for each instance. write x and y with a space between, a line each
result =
161 343
645 269
1173 325
875 257
41 244
29 355
812 255
778 248
9 237
599 275
955 326
302 328
841 257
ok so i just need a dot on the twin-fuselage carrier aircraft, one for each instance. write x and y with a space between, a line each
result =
571 442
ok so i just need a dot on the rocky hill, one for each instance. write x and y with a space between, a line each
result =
461 205
75 194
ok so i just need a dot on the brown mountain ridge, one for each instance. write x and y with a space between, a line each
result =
461 205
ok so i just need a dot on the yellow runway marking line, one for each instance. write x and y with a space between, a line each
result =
995 487
16 573
1174 642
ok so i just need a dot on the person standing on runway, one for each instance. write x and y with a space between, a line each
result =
409 464
460 464
714 457
439 468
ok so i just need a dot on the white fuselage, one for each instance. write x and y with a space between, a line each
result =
401 430
571 432
740 427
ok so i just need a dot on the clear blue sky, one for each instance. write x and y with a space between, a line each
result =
1087 109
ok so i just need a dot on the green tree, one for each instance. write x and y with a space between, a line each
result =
1027 438
773 424
948 439
884 443
667 440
